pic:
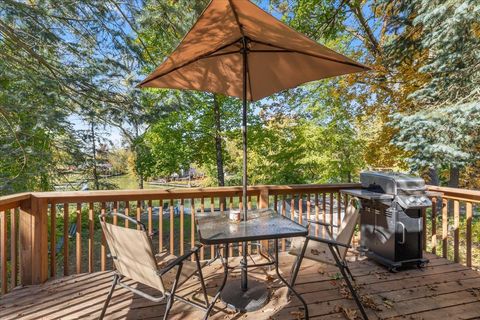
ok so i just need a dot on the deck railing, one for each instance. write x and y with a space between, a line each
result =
53 234
451 218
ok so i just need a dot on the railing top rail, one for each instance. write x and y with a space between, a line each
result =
173 193
13 200
457 193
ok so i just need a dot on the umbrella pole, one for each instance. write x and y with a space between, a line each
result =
243 263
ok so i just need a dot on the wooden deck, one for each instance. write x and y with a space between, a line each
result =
443 290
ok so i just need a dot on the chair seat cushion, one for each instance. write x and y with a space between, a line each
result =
315 250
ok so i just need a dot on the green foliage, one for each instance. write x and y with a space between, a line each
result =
445 133
439 138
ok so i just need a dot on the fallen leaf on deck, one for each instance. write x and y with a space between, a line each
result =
474 292
297 314
388 303
368 302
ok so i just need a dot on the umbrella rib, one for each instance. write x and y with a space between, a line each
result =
221 54
249 80
308 54
206 55
236 18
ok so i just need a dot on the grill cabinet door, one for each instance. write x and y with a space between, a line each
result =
408 234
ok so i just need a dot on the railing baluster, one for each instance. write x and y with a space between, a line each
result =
249 207
434 225
300 208
444 228
182 240
127 212
324 207
468 234
317 211
149 210
339 209
230 206
456 230
66 242
212 210
115 210
91 225
284 213
139 213
292 208
160 226
78 238
331 209
192 225
3 251
172 229
202 211
53 240
103 245
13 248
308 206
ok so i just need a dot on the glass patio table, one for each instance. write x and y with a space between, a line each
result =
264 224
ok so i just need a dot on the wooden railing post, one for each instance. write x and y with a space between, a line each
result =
264 198
33 235
263 204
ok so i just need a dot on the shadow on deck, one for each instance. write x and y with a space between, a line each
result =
442 290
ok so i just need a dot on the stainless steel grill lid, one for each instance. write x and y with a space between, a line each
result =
409 191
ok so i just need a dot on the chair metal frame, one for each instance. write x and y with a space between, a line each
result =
340 262
169 296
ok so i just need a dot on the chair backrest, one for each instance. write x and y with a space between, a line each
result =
320 251
347 228
132 254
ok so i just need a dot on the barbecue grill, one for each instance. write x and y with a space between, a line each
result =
391 218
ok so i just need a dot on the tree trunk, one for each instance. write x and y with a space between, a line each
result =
454 177
433 173
94 156
218 142
140 178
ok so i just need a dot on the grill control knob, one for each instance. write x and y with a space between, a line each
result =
411 199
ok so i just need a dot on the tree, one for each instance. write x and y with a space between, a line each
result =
443 135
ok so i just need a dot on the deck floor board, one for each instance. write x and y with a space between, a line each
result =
442 290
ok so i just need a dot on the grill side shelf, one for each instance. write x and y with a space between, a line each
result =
366 194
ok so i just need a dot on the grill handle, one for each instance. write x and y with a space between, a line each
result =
403 233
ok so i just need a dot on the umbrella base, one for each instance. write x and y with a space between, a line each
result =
253 299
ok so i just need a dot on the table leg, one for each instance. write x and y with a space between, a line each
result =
286 283
224 260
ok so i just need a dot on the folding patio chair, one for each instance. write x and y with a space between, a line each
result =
133 257
330 247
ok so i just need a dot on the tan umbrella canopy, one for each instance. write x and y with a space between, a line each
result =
237 49
210 56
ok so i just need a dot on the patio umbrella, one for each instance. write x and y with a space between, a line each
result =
237 49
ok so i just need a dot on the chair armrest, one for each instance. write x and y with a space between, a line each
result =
177 261
323 223
329 241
